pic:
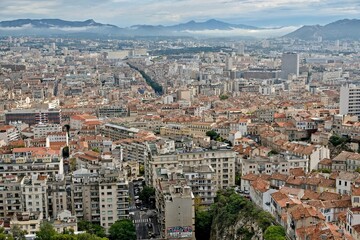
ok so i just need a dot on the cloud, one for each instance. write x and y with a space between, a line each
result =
258 33
130 12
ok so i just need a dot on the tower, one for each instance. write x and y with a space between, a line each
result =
289 64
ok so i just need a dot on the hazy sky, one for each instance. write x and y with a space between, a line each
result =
129 12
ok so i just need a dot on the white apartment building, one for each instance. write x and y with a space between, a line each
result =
34 194
8 134
222 161
113 196
42 130
350 100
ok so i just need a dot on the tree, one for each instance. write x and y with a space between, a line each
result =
47 232
72 164
66 152
336 140
122 229
275 233
146 194
203 221
141 170
95 150
17 232
212 134
88 236
237 179
4 236
223 97
91 228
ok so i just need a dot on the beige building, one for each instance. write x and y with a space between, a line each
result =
114 197
175 204
222 161
85 195
24 161
65 222
34 194
42 130
27 221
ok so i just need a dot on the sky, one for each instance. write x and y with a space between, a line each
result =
124 13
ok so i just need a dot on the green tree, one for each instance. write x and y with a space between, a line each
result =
88 236
17 232
64 237
275 233
237 179
4 236
91 228
141 169
72 164
203 221
336 140
223 97
47 232
122 229
146 194
95 150
212 134
66 152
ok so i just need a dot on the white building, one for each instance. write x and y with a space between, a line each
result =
42 130
350 100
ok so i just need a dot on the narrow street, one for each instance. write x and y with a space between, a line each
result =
144 220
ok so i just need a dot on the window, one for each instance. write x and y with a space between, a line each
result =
356 199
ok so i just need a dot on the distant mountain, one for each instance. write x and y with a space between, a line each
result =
210 28
211 24
342 29
51 23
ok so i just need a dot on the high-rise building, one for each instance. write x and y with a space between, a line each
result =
289 64
350 100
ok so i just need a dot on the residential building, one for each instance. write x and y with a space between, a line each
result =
349 100
289 64
175 204
33 116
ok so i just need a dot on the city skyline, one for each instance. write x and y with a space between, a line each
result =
124 13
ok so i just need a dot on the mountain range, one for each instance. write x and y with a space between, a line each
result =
342 29
212 28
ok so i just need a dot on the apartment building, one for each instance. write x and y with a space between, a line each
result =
222 161
42 130
40 160
114 197
34 195
176 210
33 116
11 201
201 179
27 221
58 199
85 195
8 134
100 196
117 132
349 100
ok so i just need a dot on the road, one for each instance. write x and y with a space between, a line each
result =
144 221
139 219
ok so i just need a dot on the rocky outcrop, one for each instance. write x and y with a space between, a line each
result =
235 217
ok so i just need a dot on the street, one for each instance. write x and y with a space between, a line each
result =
144 220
